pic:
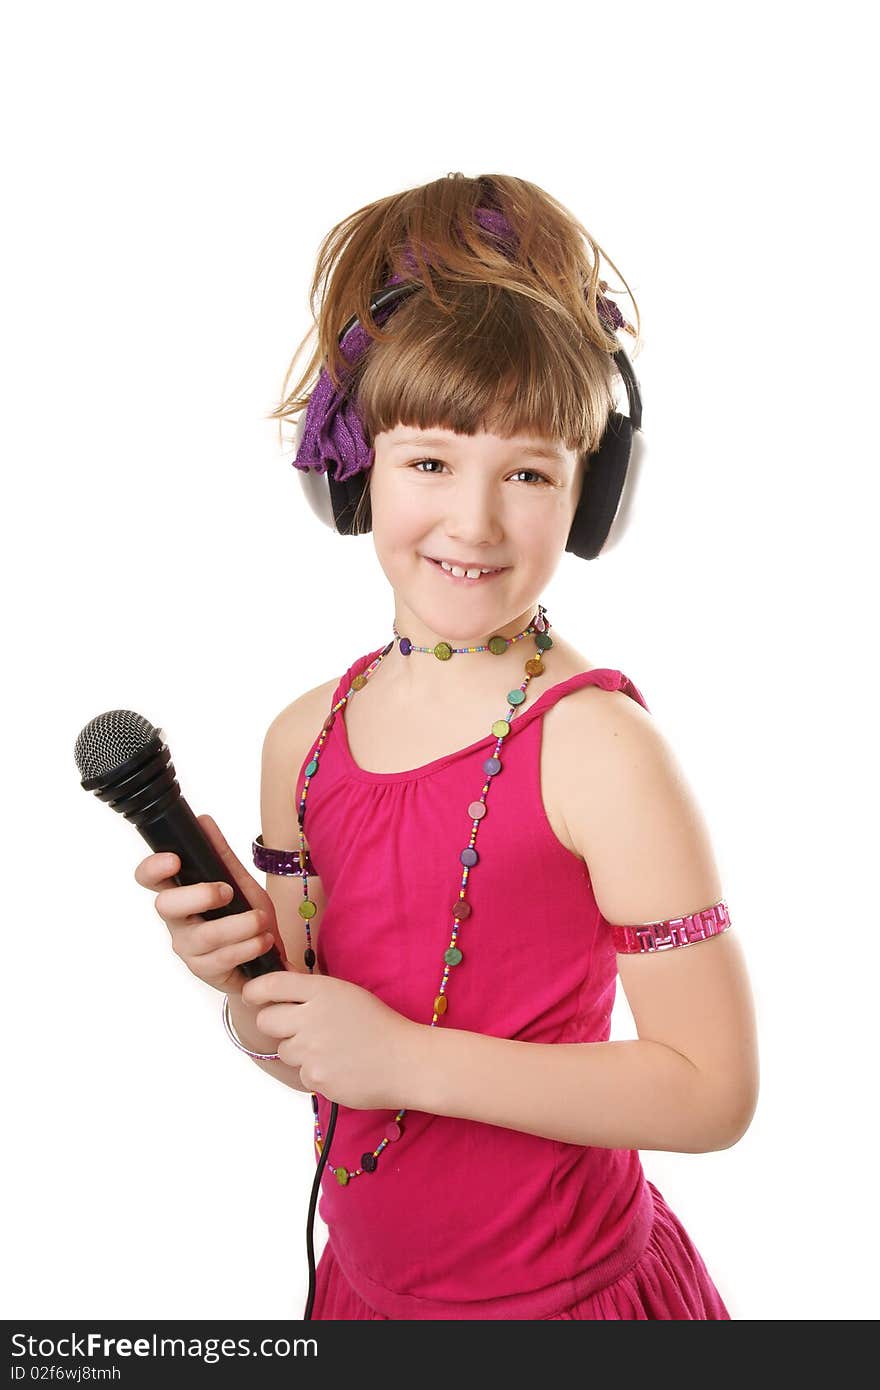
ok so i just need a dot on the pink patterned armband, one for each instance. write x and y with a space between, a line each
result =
282 861
675 931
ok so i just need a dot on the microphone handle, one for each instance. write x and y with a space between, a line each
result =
176 830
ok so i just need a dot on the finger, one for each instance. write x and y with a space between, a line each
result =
279 986
157 871
225 958
278 1020
253 892
191 899
203 937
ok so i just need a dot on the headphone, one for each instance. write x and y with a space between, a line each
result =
605 506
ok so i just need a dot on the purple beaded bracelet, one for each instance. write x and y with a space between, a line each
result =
281 861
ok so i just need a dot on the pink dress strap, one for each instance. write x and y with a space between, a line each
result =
604 676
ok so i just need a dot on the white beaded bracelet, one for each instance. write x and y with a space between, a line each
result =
233 1037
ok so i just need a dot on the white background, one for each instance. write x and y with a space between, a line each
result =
169 173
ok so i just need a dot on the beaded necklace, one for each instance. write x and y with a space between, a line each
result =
461 909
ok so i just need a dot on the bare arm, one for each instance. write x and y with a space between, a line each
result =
286 743
633 1094
689 1082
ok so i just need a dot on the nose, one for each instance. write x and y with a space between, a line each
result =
472 520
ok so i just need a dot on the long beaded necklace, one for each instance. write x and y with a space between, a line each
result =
461 909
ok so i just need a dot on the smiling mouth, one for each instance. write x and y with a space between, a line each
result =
462 577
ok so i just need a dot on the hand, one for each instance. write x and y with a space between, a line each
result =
212 948
349 1045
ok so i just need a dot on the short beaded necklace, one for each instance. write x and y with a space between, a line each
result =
461 909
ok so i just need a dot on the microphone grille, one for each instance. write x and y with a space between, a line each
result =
110 739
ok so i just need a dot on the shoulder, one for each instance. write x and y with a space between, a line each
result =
631 812
286 745
298 724
596 725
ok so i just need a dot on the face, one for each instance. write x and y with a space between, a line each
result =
479 499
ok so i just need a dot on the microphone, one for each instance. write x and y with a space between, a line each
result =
125 761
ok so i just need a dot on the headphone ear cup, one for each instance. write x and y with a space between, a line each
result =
626 509
345 497
607 473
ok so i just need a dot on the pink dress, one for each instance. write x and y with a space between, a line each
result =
462 1219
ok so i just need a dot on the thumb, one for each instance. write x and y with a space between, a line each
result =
254 892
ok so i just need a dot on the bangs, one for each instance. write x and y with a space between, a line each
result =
486 359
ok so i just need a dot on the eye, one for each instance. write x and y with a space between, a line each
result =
531 472
539 476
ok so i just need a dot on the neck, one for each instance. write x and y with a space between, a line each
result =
422 676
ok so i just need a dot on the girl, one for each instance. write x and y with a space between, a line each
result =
466 834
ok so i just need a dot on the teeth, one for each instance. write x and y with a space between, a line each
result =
460 573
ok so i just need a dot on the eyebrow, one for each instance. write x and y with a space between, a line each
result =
430 441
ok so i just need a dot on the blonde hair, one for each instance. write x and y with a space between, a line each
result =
504 338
